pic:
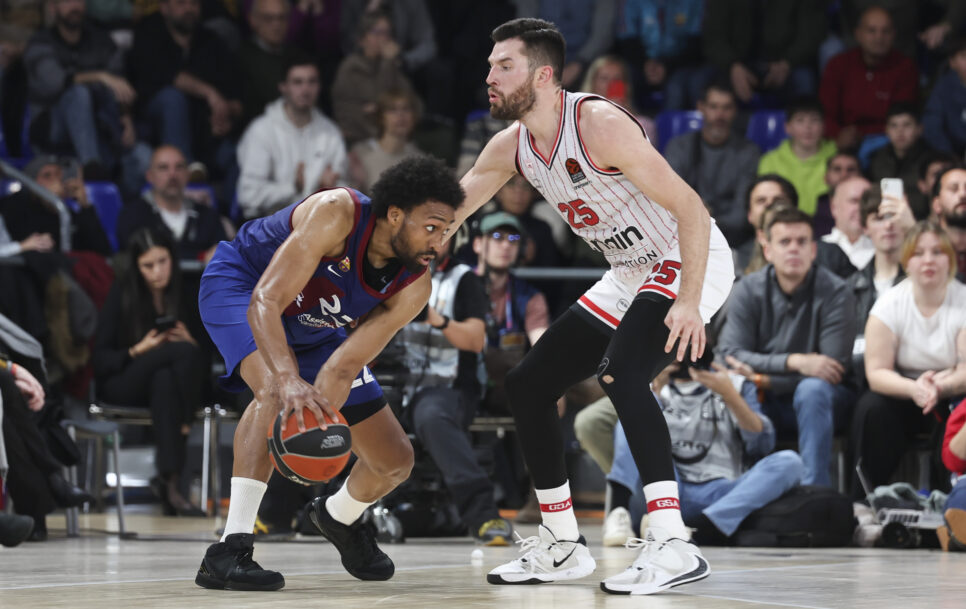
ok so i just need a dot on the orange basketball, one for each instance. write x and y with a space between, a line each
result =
312 456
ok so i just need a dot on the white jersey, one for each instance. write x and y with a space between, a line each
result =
600 204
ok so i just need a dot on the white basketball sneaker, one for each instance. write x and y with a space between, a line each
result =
545 559
664 562
617 527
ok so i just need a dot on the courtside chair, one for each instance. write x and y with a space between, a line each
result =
672 123
106 199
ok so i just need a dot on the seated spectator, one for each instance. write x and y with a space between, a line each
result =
885 227
441 353
952 536
903 156
80 101
397 114
843 164
414 33
721 445
716 162
586 25
518 313
943 123
607 76
663 44
847 232
790 329
802 156
915 342
934 164
292 149
768 46
35 223
768 194
264 56
194 228
949 208
34 480
144 354
370 70
860 84
188 83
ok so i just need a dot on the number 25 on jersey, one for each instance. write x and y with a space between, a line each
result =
578 213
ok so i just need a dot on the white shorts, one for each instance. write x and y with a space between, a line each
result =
610 297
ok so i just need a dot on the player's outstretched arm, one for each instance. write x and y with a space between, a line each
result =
613 139
369 339
492 169
320 226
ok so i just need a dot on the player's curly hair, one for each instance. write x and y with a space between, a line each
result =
412 182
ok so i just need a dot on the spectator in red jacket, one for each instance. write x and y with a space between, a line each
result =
860 84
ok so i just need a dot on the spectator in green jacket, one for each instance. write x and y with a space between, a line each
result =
802 156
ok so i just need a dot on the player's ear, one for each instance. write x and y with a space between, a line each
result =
395 215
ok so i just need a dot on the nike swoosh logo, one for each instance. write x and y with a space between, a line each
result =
557 564
332 270
697 573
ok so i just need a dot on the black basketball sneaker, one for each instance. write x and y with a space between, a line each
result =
228 565
361 557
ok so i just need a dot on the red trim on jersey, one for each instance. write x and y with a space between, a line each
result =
658 288
580 139
598 311
553 153
355 221
666 503
516 154
560 506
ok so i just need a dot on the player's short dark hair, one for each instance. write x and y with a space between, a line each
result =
788 189
295 60
786 214
802 105
869 203
938 185
543 43
413 181
903 107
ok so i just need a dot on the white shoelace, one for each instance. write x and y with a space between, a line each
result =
647 547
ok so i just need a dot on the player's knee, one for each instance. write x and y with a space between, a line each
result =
396 466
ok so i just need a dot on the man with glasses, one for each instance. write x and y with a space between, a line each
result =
518 312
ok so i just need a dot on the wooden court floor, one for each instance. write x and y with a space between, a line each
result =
157 570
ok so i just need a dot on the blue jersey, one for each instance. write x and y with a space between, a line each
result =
333 297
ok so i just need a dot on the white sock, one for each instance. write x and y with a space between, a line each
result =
344 508
246 496
664 508
557 511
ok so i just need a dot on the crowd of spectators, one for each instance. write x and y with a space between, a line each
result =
204 114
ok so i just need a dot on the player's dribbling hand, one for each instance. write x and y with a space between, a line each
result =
685 323
296 394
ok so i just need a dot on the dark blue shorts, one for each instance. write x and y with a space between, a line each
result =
226 290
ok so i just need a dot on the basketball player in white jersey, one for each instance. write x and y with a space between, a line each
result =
671 269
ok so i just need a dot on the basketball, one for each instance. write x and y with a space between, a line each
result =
312 456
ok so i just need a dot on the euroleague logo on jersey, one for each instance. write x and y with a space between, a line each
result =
573 168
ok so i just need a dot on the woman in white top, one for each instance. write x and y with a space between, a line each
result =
915 356
397 115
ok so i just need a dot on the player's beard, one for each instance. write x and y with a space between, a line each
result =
516 104
404 251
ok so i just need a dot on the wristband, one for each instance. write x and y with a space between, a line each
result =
443 325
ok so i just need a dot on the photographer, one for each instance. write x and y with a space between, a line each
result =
145 355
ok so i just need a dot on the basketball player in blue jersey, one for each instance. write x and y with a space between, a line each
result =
276 302
671 269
